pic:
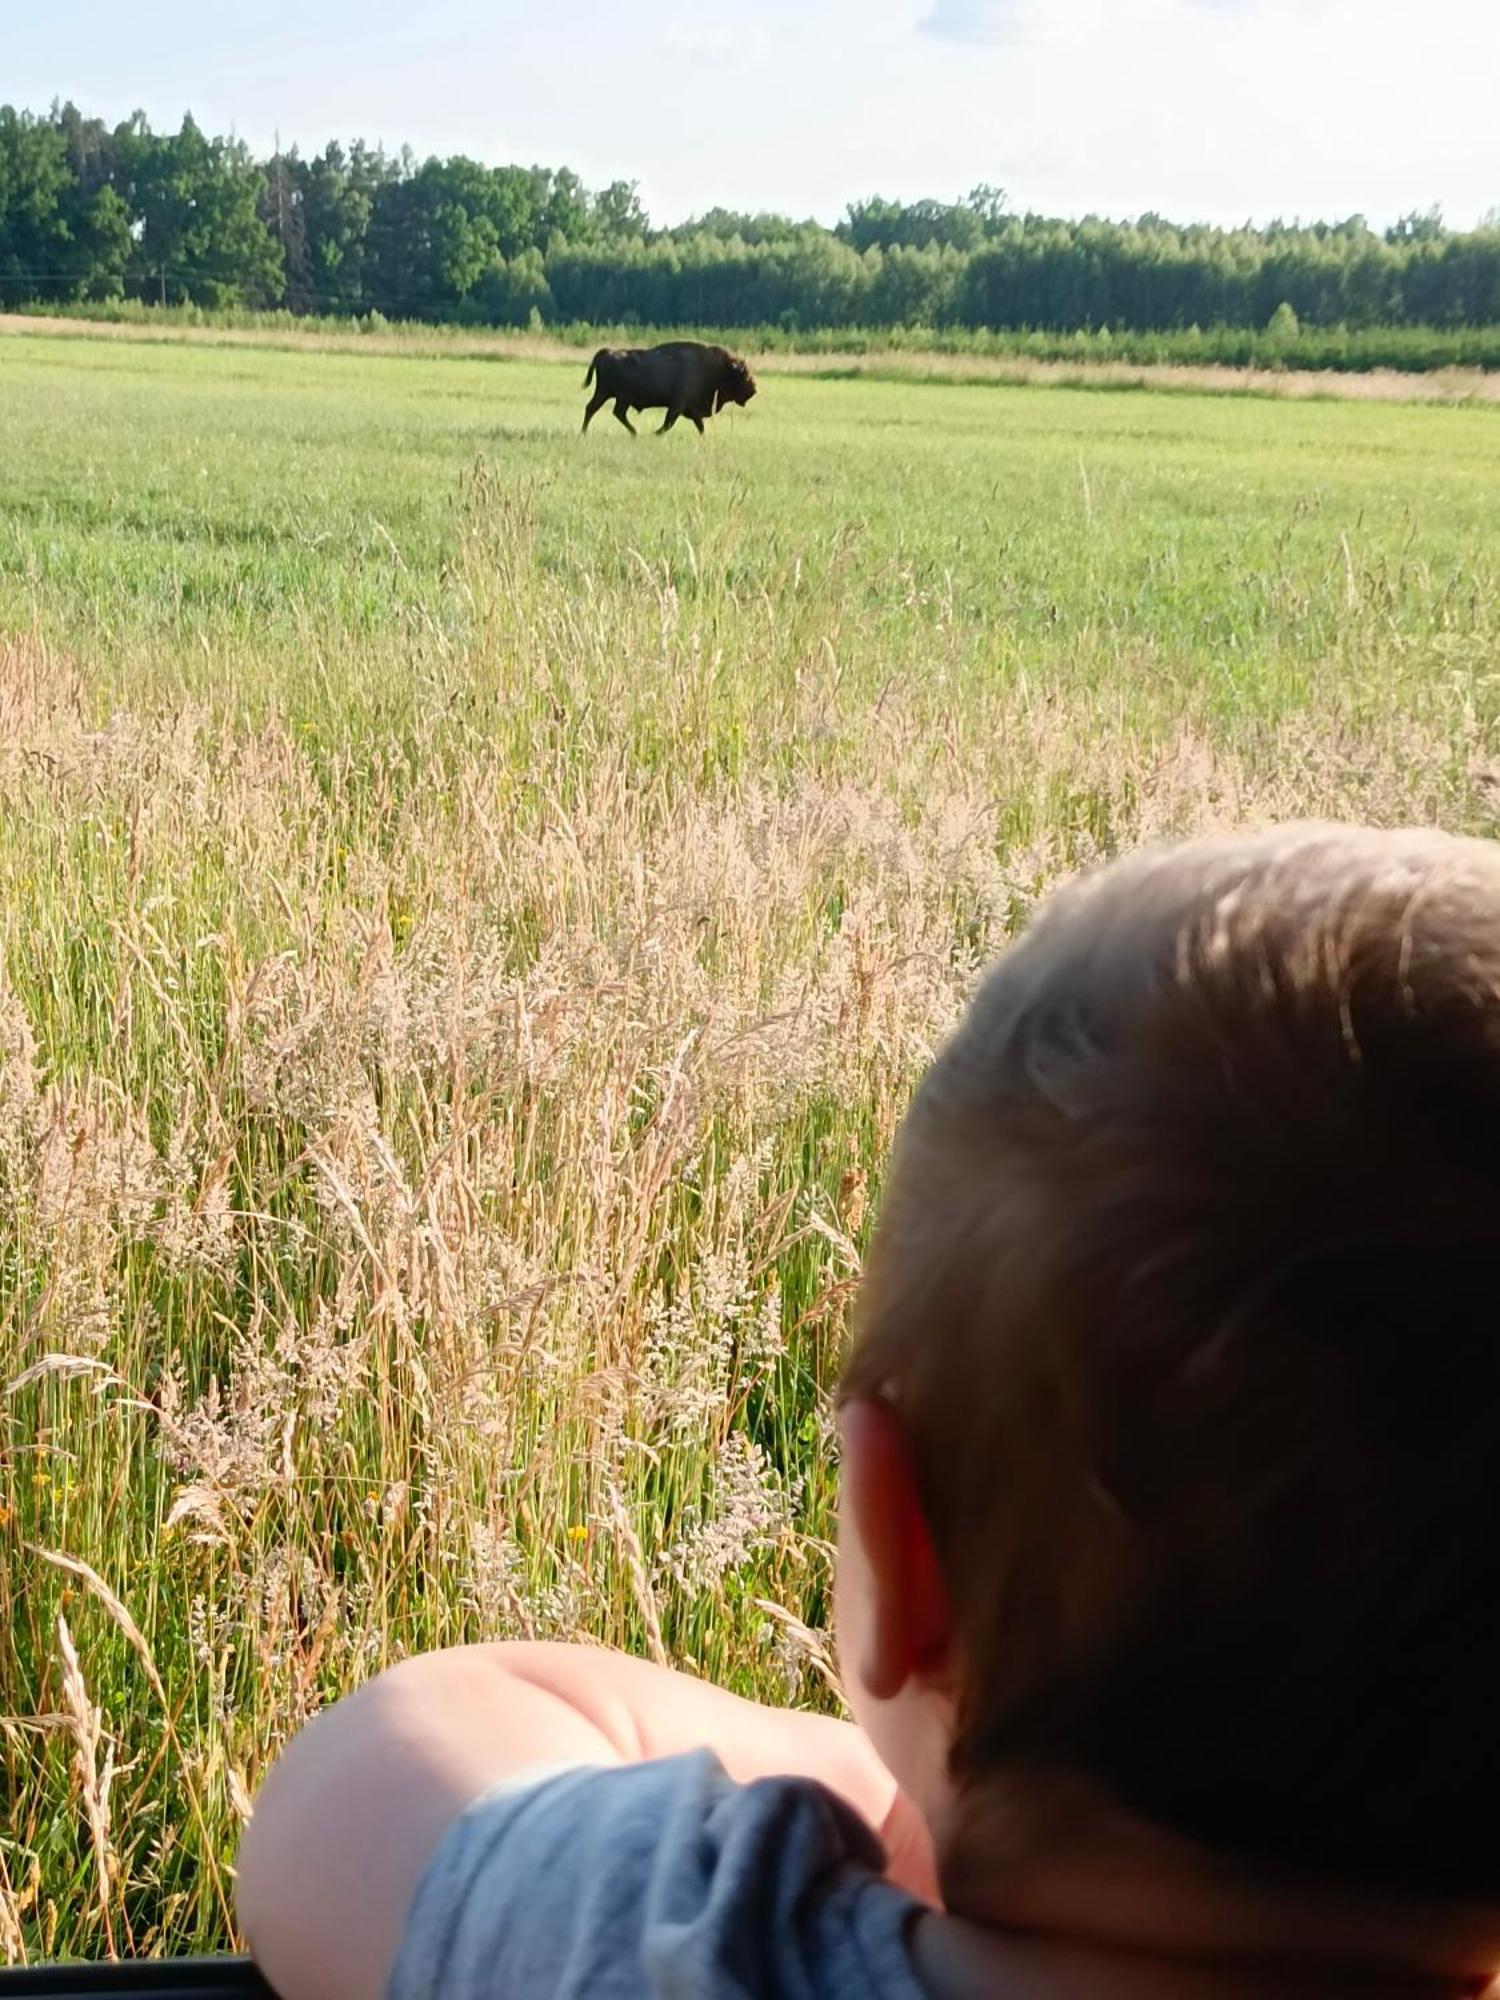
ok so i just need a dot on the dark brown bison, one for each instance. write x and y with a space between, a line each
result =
683 377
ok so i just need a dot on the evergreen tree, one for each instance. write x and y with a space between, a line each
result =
89 213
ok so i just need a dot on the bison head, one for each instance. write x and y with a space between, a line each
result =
737 384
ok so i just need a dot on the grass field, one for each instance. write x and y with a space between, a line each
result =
1156 362
473 902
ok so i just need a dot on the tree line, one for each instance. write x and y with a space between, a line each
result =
93 213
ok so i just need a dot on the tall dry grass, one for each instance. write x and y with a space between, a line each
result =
436 1141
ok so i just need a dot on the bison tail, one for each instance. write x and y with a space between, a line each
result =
592 366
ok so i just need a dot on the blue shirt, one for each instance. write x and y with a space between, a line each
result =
657 1881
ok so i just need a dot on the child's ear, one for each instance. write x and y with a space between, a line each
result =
909 1626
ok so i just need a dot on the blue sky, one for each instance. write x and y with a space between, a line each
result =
1212 109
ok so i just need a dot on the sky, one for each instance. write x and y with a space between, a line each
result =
1209 110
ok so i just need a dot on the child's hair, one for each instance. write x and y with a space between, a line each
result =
1187 1290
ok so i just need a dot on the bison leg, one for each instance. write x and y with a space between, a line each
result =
596 404
699 422
670 419
622 415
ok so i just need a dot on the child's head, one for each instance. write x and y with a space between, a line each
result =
1185 1301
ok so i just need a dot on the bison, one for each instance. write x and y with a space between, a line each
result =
683 377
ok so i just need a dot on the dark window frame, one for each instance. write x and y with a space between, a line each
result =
146 1979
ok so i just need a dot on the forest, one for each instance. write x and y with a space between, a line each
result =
92 213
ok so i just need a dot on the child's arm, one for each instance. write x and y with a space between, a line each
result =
354 1811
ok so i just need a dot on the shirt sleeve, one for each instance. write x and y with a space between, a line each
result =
662 1879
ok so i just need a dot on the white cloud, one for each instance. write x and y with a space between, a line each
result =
986 21
1079 23
720 46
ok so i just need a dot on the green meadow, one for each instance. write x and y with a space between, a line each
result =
473 903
